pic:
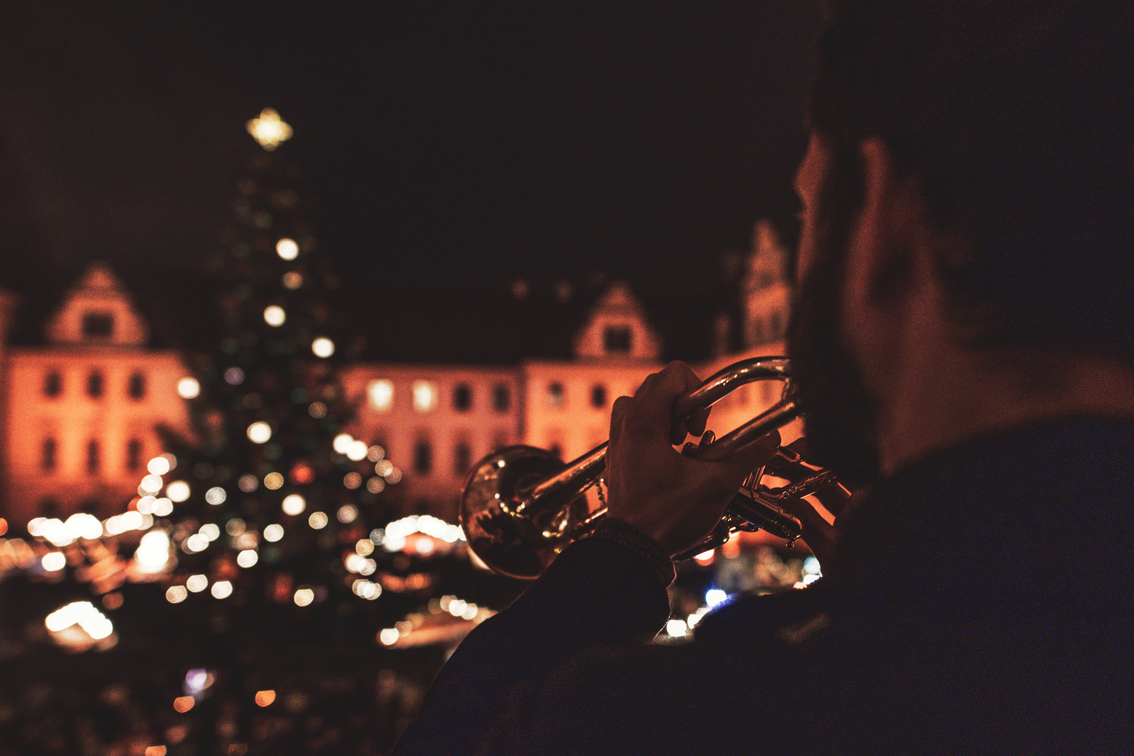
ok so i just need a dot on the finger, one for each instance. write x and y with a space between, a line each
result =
696 423
617 414
653 401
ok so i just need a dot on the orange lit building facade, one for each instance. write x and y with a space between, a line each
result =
82 408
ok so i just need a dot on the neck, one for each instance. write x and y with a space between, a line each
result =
943 394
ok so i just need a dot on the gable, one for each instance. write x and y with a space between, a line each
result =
617 328
97 311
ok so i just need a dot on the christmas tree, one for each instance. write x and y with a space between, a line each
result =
269 502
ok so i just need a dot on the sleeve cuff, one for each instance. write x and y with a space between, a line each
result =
634 540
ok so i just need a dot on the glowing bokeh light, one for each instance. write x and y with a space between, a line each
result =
188 388
177 491
269 130
259 432
323 347
158 466
287 249
294 504
275 316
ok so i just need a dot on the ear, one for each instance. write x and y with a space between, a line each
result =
889 228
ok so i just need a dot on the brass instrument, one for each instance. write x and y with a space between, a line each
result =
522 505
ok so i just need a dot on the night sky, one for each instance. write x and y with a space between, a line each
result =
457 143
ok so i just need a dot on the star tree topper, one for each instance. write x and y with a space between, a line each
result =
269 129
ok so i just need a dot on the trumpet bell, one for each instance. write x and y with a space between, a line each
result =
501 525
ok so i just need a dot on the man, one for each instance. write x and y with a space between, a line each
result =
964 344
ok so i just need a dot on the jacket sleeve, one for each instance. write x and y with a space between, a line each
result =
596 594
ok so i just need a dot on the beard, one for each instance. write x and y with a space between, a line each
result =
839 421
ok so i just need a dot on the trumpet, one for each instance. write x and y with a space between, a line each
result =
522 505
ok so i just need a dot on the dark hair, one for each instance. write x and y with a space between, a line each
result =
1017 118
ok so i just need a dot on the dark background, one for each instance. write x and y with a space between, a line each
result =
448 144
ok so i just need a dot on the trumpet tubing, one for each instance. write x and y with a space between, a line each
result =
522 505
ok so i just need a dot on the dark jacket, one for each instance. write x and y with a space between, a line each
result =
980 602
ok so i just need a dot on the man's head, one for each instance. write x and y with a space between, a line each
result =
1014 121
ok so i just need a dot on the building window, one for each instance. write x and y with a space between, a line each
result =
462 397
53 384
424 396
137 386
598 396
98 325
134 455
616 339
381 394
423 457
95 384
555 394
501 397
93 461
462 458
48 453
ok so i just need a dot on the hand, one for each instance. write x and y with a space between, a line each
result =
674 499
821 536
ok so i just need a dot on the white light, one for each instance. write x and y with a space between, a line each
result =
294 504
55 531
269 129
83 614
424 396
162 507
146 504
274 315
83 525
153 552
158 465
317 520
287 249
366 589
715 597
259 432
357 451
216 496
175 594
150 484
348 513
381 394
273 532
304 597
177 491
676 628
188 388
195 543
247 558
210 530
342 443
389 636
197 583
323 347
53 561
221 589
